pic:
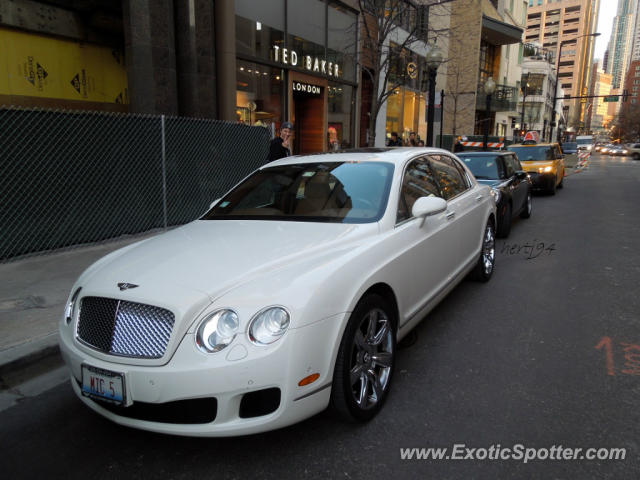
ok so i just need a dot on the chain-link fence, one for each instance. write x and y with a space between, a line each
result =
70 178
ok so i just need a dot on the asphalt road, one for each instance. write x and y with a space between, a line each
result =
541 356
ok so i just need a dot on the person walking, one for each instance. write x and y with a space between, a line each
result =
280 146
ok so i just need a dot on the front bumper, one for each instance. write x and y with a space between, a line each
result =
542 181
225 378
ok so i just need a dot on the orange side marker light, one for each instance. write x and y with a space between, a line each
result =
308 380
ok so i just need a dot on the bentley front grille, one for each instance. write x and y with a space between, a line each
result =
122 328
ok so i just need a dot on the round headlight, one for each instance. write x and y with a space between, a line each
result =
268 325
496 194
70 311
217 331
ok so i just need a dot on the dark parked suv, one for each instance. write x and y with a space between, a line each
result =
511 185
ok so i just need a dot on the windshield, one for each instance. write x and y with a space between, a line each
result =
483 167
340 192
584 141
527 154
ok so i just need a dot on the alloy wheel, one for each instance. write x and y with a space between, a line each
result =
371 359
488 250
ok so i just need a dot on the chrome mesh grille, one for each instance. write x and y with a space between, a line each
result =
124 328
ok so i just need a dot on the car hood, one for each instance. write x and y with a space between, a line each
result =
213 256
533 165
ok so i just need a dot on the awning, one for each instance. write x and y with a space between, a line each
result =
496 32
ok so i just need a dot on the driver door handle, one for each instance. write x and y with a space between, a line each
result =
450 215
479 198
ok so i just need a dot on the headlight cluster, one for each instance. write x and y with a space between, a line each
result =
545 169
496 194
219 328
70 311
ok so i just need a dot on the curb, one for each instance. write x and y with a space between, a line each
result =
23 356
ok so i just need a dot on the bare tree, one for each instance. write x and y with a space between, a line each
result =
459 97
628 122
383 47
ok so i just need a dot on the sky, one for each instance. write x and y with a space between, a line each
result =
608 9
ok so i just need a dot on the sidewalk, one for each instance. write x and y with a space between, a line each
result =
33 292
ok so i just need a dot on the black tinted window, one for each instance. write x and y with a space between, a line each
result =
483 167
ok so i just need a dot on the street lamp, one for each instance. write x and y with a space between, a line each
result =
489 88
434 59
525 90
555 93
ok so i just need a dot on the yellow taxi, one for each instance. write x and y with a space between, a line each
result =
544 162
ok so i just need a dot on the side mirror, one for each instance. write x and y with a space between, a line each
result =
426 206
521 175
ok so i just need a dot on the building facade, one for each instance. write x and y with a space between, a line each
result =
538 84
632 83
598 118
562 28
484 43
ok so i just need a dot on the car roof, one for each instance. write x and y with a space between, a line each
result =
395 155
483 152
533 145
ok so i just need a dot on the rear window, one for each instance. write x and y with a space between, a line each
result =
569 146
485 167
528 154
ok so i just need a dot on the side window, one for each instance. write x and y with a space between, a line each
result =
418 182
508 165
448 177
558 152
463 172
515 162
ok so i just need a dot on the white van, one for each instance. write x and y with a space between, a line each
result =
585 142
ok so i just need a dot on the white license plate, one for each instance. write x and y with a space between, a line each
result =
103 384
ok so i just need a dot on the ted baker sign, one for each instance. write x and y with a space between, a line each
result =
313 64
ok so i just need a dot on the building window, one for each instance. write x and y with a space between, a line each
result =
259 26
259 94
339 128
487 61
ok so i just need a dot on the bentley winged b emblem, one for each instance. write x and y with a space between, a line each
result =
126 286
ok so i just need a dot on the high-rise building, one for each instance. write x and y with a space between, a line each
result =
632 83
621 42
635 52
563 27
597 109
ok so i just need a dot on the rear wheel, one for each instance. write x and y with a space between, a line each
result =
636 156
366 358
486 262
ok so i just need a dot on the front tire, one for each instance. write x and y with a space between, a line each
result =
552 188
486 262
366 359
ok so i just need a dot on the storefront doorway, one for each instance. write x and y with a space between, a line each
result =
308 113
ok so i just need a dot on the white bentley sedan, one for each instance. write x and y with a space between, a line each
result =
289 295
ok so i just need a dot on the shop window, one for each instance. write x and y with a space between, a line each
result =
306 27
259 95
339 129
259 26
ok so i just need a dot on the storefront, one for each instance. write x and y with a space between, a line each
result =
407 105
296 62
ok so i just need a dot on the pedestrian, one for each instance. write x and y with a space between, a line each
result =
280 146
457 146
421 143
412 140
394 141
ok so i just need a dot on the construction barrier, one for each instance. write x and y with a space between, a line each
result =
480 144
